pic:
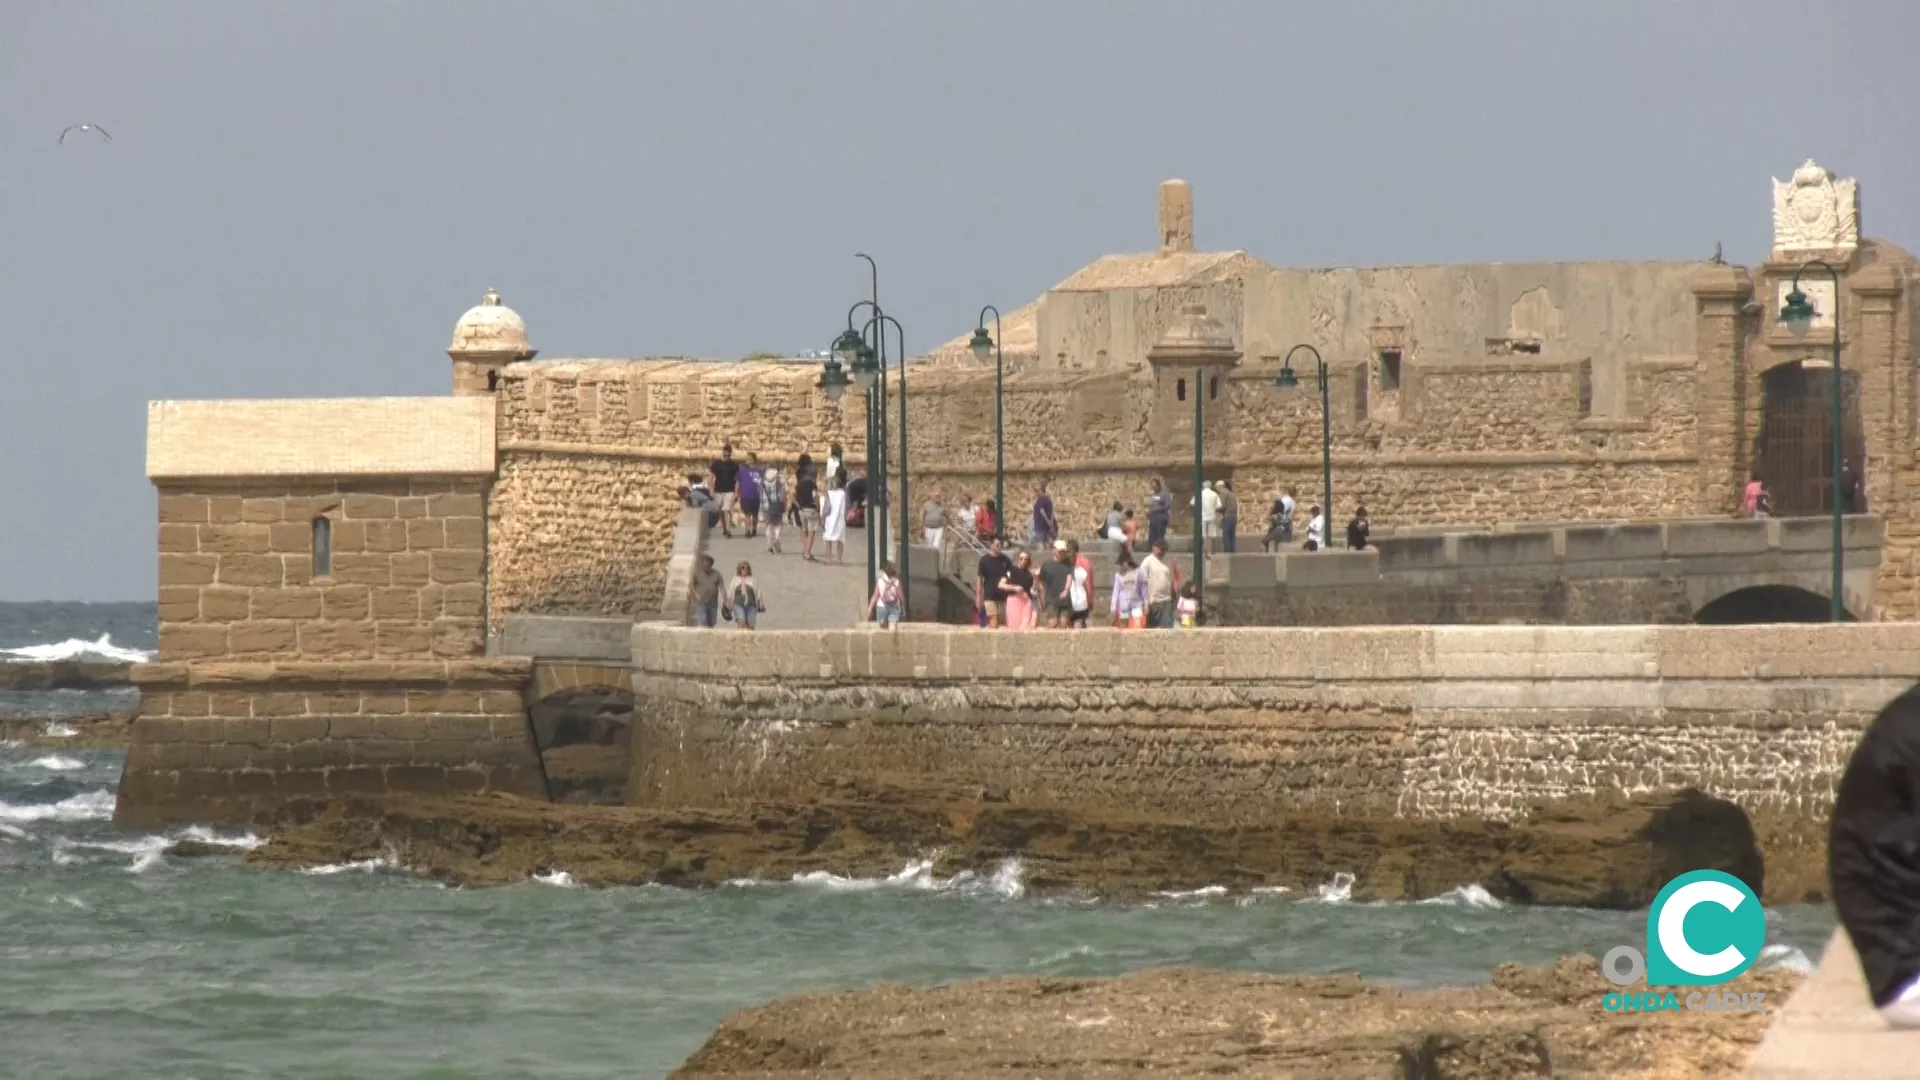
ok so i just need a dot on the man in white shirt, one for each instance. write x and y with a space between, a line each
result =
1316 530
1209 512
1162 582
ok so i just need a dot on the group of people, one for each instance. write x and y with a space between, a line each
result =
1011 593
750 495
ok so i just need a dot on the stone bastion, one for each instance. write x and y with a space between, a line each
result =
1231 726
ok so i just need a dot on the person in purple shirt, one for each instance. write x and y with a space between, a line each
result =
1045 528
749 486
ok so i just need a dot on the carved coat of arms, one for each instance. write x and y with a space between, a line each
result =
1815 211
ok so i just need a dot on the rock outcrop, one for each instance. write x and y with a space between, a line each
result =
1531 1023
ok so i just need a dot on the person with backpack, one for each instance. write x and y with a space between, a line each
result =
885 602
743 598
1129 594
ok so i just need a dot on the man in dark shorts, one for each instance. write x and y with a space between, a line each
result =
726 475
1053 586
994 568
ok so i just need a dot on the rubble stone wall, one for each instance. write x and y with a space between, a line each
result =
1239 725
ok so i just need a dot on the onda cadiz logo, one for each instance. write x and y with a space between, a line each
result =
1703 929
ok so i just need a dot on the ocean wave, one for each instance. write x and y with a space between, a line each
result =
557 878
57 763
1785 958
1205 892
78 649
14 831
1003 880
1472 896
1337 891
87 806
58 730
245 841
364 866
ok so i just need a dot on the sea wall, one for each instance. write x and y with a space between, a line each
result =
1240 725
220 742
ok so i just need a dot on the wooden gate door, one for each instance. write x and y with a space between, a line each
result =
1795 456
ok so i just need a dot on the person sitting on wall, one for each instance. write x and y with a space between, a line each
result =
1359 530
1316 529
700 496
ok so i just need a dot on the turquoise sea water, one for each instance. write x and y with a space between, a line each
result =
119 961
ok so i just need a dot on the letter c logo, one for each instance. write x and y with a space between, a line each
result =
1733 920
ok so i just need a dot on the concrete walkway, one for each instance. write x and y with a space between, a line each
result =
799 595
1830 1029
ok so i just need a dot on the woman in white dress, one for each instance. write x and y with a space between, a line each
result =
834 530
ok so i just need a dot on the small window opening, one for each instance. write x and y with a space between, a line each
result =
1389 369
1180 389
1531 348
322 547
493 381
1213 388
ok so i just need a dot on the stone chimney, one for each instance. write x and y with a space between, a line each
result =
1176 217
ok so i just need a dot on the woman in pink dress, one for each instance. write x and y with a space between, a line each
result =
1018 590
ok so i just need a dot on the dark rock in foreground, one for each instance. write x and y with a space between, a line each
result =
1532 1022
1590 854
64 675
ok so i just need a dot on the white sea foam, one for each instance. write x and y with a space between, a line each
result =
147 861
1204 893
204 835
13 831
364 866
78 649
1062 956
1785 958
142 845
1472 896
557 878
1337 891
87 806
57 730
57 763
1004 880
1269 890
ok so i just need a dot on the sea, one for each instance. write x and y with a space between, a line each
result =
119 960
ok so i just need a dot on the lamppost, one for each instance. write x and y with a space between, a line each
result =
1798 315
980 344
868 370
876 451
1199 490
849 349
1287 380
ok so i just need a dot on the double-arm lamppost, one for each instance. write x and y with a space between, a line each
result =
1797 313
866 361
1287 380
981 345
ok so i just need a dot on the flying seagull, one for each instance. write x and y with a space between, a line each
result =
71 128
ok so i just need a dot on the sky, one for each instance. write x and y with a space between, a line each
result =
299 199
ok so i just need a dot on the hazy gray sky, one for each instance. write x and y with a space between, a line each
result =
301 198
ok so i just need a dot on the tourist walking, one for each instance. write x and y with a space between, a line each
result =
1159 511
884 605
1229 516
1279 526
726 473
1208 500
834 525
1045 527
751 486
743 598
1160 586
933 519
992 572
966 515
1359 530
1750 496
1053 586
704 593
801 468
1079 595
806 499
773 502
1316 530
835 460
1129 595
1018 591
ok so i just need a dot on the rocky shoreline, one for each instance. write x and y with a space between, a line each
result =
1531 1022
99 731
1602 854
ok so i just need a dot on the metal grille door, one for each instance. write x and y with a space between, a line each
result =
1796 460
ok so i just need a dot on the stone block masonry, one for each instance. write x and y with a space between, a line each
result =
220 742
406 577
1240 725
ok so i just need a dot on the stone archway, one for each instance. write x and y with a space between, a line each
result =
1761 604
582 721
1794 451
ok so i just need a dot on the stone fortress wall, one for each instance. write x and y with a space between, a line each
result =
1243 725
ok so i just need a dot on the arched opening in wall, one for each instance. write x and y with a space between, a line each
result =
1767 604
1795 451
584 735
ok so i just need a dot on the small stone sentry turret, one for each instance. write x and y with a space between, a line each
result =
487 338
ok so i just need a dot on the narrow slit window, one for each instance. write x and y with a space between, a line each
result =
1213 388
493 381
1180 389
1389 369
322 547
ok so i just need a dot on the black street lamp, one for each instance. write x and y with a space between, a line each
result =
851 350
1287 380
980 344
869 371
1797 313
